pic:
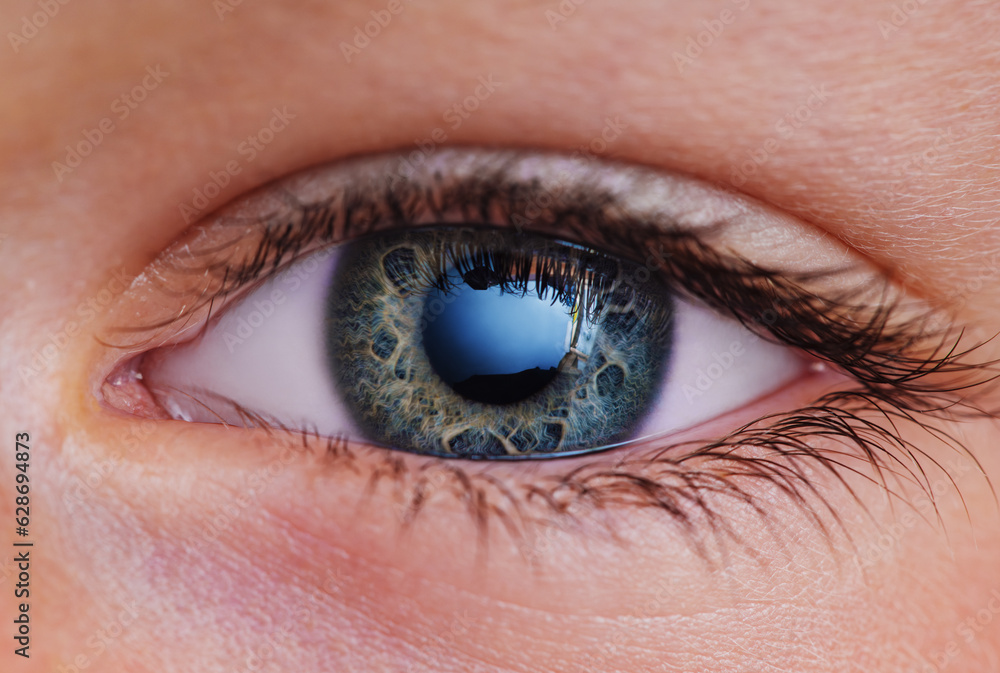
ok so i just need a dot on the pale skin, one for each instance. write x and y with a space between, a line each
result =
323 585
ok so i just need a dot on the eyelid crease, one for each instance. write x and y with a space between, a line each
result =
904 355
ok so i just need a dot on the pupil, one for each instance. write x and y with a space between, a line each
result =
495 347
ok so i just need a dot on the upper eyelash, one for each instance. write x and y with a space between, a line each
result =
844 331
896 364
578 277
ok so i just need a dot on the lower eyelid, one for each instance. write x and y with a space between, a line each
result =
511 504
330 455
412 491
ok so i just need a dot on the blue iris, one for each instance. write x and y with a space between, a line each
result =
481 343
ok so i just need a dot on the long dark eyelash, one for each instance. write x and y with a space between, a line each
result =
906 370
579 278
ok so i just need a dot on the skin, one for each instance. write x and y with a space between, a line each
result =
307 579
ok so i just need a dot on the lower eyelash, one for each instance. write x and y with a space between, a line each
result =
853 432
689 483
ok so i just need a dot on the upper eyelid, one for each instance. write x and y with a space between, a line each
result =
545 183
357 195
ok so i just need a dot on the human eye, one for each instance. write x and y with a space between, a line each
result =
514 305
462 339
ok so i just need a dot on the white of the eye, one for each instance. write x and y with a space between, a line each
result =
267 353
717 366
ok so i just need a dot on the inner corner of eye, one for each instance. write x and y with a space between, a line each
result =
468 343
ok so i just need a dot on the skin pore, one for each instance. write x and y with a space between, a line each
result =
872 121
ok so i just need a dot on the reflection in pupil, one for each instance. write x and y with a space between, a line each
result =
499 347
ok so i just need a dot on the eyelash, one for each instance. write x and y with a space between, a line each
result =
895 363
